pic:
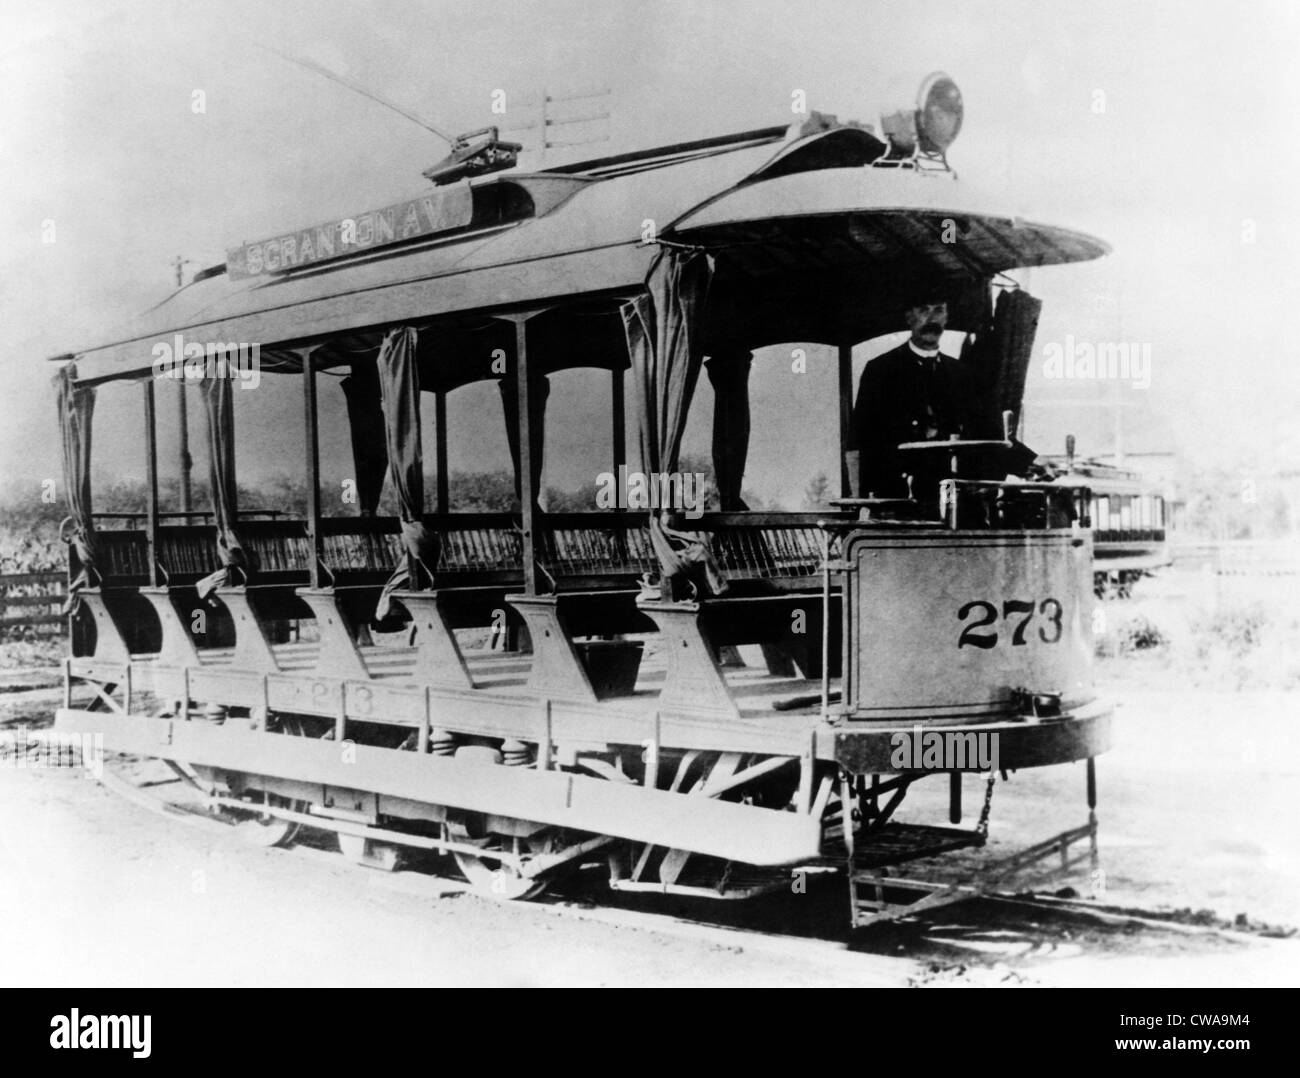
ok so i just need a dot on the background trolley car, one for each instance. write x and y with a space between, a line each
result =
1129 524
621 734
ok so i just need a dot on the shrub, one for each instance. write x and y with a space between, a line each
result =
1130 632
1140 633
1236 630
1245 646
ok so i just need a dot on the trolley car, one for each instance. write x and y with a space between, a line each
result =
1129 524
618 732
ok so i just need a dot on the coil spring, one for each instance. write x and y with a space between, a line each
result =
442 743
516 753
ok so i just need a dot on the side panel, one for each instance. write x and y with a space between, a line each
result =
945 623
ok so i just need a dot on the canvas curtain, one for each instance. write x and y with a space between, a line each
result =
1000 357
364 399
729 376
219 410
399 382
663 331
76 406
541 387
1015 322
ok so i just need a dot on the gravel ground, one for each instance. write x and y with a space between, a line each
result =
97 891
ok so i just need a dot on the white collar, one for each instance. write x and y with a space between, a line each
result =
924 353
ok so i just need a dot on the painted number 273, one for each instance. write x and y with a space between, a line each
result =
1017 614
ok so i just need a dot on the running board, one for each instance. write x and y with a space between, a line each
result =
704 825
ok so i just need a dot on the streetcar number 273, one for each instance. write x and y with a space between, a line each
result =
1018 617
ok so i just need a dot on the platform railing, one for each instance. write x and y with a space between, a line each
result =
985 503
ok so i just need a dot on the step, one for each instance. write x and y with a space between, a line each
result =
897 843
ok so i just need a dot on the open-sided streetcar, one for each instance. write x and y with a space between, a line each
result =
933 632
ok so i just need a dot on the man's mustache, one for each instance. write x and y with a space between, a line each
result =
932 327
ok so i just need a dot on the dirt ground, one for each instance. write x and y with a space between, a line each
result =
96 891
1196 815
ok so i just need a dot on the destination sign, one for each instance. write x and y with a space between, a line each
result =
443 210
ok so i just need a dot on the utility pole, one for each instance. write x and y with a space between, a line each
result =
183 417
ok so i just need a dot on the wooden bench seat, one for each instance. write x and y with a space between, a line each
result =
113 629
590 565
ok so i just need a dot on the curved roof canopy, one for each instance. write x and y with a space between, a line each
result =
814 241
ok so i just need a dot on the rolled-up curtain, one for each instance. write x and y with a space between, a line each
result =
729 376
541 387
219 411
76 406
1015 322
399 382
369 436
663 332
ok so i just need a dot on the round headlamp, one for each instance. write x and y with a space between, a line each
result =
930 122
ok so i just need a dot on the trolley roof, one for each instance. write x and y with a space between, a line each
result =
815 208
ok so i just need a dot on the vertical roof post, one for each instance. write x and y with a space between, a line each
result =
443 505
186 461
312 430
846 411
620 420
151 472
528 489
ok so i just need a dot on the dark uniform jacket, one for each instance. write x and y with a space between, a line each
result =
903 397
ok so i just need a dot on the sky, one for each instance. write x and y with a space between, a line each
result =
1168 129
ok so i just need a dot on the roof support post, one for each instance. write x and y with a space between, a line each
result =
620 422
313 463
443 504
186 461
151 472
846 411
527 488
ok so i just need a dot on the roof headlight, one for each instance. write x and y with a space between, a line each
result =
929 123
